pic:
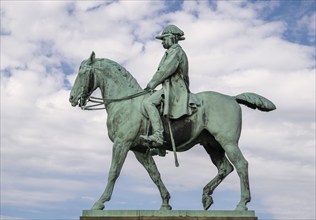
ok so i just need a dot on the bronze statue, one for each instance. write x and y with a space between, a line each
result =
215 124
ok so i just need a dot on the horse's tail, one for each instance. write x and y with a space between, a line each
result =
255 101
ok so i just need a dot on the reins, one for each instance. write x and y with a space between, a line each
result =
101 101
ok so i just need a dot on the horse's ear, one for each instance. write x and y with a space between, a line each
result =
91 58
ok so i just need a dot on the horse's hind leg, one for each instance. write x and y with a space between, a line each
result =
149 164
241 164
224 168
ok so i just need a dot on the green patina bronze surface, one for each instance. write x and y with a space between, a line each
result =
214 122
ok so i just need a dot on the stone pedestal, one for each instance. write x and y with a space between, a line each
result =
167 215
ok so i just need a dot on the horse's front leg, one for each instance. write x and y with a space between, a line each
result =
149 164
120 150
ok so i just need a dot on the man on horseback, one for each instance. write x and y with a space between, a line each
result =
172 73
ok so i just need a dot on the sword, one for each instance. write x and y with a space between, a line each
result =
173 144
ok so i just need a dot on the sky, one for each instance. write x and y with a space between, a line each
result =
55 158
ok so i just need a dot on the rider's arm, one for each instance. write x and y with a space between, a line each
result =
166 68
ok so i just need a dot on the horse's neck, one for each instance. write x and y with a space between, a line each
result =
115 82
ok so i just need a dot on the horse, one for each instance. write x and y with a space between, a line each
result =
216 125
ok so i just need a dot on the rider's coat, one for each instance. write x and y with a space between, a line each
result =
172 73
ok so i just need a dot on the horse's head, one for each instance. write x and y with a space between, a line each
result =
84 83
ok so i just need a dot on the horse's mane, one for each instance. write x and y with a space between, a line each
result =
123 76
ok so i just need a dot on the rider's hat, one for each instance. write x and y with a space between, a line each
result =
171 29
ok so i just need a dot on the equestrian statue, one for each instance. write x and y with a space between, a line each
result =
149 122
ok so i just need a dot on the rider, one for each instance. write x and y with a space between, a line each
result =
172 73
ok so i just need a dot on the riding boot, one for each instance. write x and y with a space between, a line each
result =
156 139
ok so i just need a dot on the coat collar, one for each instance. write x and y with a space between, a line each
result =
173 47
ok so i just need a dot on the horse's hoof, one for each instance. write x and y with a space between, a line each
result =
165 207
241 208
98 206
207 202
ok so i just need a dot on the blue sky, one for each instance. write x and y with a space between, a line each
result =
55 158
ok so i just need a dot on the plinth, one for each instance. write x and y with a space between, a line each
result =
167 215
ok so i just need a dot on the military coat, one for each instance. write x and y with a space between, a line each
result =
172 73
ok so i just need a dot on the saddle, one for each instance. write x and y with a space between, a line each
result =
181 130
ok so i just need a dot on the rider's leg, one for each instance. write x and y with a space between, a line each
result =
150 106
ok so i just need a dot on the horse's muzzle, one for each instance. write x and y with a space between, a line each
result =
73 101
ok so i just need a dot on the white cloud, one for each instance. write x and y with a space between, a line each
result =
63 154
309 22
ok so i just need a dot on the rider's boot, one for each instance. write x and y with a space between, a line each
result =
156 139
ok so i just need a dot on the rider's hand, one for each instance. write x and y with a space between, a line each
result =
149 90
150 86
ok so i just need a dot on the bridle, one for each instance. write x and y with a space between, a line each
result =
87 87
